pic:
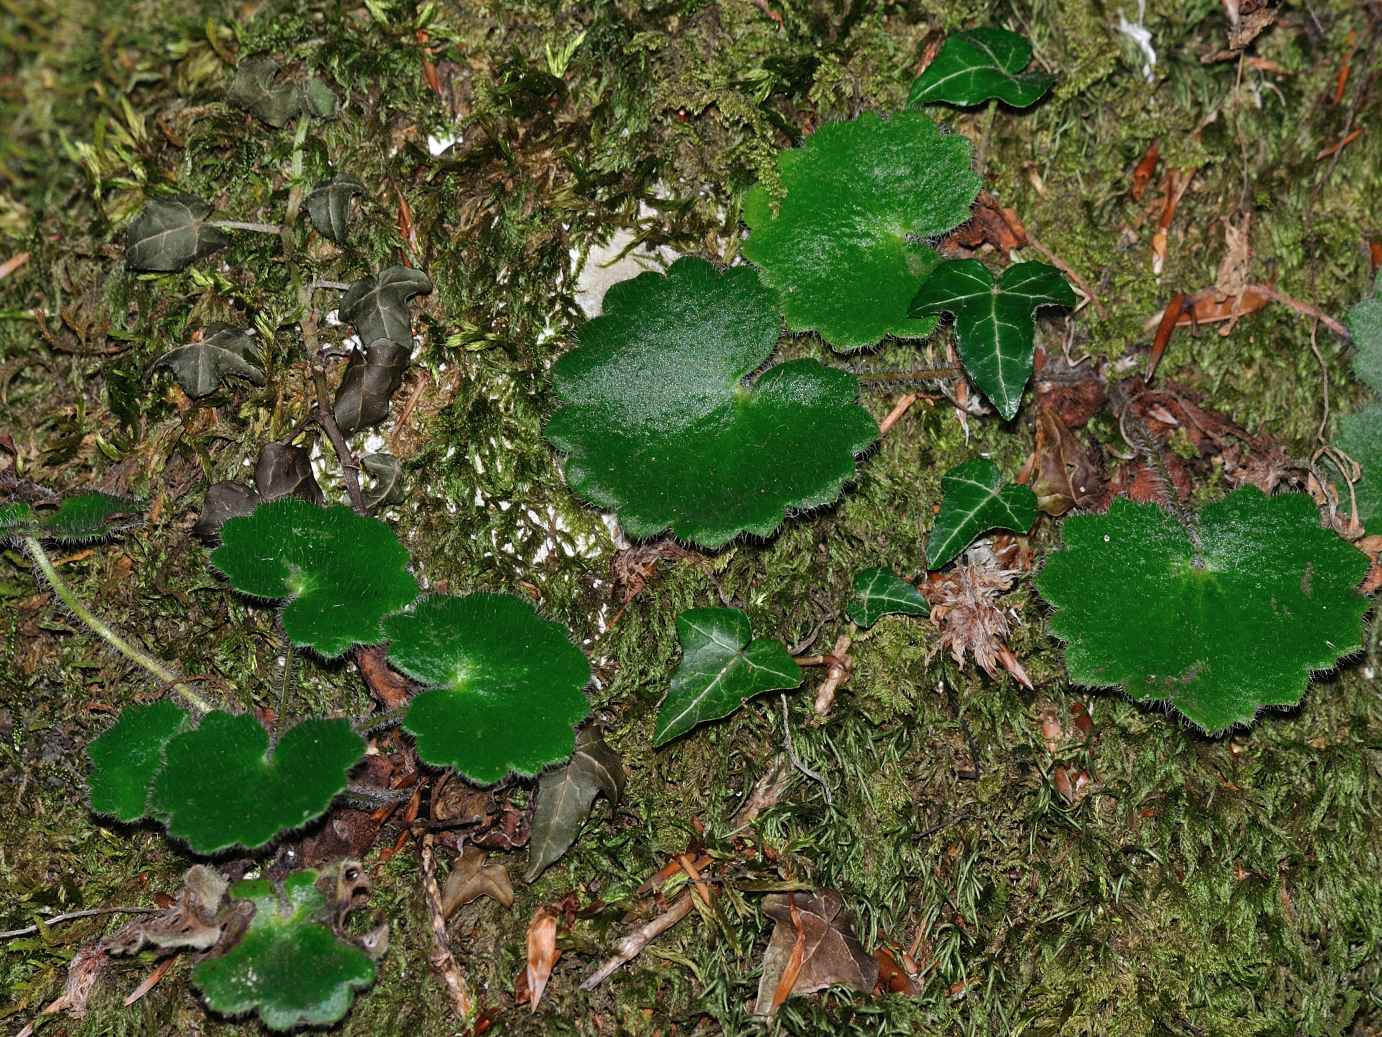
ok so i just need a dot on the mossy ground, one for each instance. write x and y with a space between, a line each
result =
1229 886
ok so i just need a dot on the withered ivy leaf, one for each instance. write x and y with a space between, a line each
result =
370 380
386 480
288 966
340 572
283 470
222 785
378 306
223 352
258 89
565 796
169 233
191 923
224 501
830 954
471 878
329 206
505 684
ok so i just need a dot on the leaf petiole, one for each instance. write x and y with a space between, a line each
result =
98 627
255 228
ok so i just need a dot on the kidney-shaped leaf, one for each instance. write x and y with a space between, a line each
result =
329 206
506 684
979 65
341 572
566 794
289 966
171 232
378 306
224 352
720 670
878 593
89 516
994 320
845 249
975 500
220 785
1219 630
125 759
661 427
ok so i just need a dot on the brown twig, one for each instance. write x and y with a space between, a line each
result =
895 415
150 981
441 957
1303 308
839 673
631 946
71 915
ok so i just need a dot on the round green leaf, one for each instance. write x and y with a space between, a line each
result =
994 320
720 670
1218 630
221 786
125 759
980 65
845 249
90 516
879 593
289 966
661 427
342 572
976 499
506 685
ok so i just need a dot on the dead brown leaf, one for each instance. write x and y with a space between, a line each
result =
1064 473
814 929
472 878
542 954
964 606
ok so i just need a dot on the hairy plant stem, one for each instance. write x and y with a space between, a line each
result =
105 633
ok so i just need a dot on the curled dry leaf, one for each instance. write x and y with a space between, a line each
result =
814 937
283 470
386 480
471 879
190 922
1064 474
964 605
566 794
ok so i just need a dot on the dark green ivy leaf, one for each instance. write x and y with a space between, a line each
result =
979 65
386 480
371 378
224 352
378 306
169 233
566 794
221 785
994 320
288 965
258 88
125 759
720 670
878 593
976 499
329 206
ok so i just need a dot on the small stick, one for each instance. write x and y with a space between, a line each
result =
895 415
72 915
631 946
349 468
838 674
1303 308
441 957
256 228
151 980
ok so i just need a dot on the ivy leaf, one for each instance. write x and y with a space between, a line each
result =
1360 437
565 796
225 352
378 306
125 759
994 321
329 206
283 470
386 475
170 233
341 572
845 250
89 516
257 88
661 427
370 380
1365 326
506 685
221 786
1219 630
878 593
975 500
980 65
289 966
720 670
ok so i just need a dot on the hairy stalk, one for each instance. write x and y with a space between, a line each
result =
105 633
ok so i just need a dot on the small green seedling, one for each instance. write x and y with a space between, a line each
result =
289 966
720 670
981 65
976 499
845 247
505 684
660 425
341 573
1218 621
878 593
994 320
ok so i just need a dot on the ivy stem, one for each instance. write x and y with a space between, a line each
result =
256 228
349 467
109 636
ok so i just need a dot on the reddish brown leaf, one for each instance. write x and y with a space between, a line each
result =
830 955
472 878
542 953
1144 170
1064 473
1339 146
892 978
